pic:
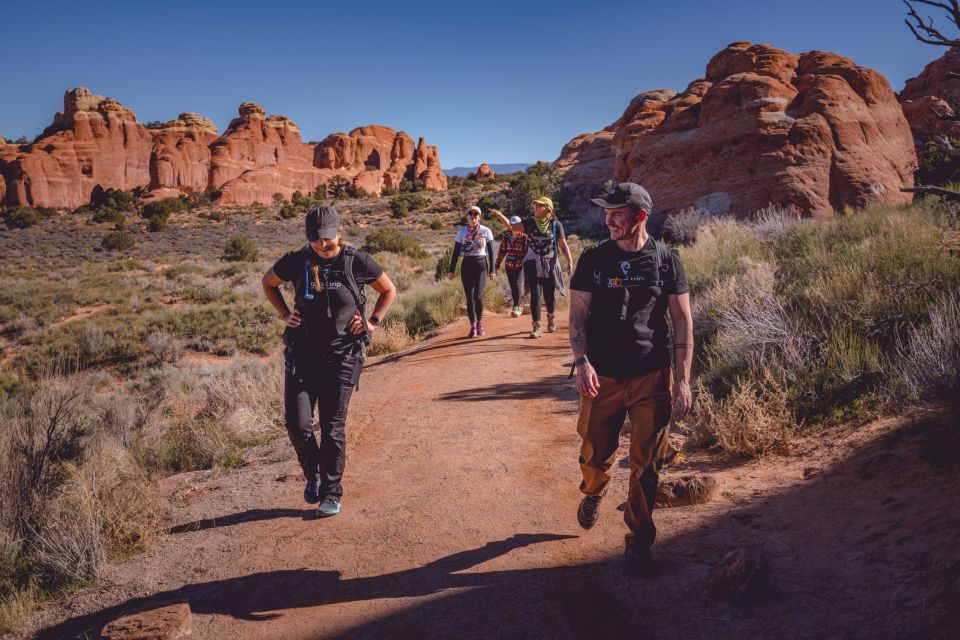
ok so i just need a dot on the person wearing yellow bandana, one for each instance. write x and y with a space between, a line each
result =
541 266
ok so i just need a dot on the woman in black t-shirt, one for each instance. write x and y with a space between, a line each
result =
541 266
325 337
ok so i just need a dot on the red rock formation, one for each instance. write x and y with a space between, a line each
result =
181 154
932 98
764 126
94 141
484 173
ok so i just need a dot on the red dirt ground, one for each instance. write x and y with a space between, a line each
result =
459 522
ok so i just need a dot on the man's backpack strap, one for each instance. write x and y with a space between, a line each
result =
662 259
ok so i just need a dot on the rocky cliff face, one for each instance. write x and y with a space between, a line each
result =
763 126
95 141
930 101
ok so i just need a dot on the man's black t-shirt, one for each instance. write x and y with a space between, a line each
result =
619 348
326 311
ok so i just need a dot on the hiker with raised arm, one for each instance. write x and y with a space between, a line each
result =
621 293
475 242
541 265
513 250
326 335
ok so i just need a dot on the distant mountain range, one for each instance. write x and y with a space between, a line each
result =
497 168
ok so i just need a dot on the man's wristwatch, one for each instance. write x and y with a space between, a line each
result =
374 320
582 360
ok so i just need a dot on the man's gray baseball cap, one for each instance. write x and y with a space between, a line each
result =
623 194
322 222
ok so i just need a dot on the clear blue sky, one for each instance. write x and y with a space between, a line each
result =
487 81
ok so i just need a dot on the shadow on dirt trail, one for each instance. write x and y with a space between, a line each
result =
556 387
857 551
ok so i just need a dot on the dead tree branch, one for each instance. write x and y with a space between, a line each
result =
924 29
944 144
948 194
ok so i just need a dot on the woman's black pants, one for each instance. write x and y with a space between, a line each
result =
513 277
539 286
473 274
328 385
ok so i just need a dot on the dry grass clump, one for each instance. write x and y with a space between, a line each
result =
724 248
928 362
752 420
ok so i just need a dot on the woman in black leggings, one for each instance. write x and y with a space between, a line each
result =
475 242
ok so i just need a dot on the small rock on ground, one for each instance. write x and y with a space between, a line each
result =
167 622
687 490
743 576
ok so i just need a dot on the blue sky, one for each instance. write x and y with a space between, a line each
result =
487 81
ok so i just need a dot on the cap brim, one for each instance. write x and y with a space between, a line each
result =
600 202
328 233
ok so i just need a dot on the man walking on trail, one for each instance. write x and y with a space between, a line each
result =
325 338
621 292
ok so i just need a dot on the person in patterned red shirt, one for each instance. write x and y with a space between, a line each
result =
513 248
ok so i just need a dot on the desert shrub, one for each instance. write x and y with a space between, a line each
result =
458 202
386 192
221 327
771 222
112 216
113 199
159 222
240 249
432 307
117 241
320 192
751 420
682 227
540 179
278 199
337 187
22 217
393 241
435 225
164 347
723 249
443 265
299 199
928 362
289 211
389 338
164 206
405 203
358 192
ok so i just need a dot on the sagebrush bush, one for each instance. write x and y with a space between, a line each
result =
393 240
682 227
240 249
928 362
117 241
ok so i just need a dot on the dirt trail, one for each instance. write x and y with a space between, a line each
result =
459 522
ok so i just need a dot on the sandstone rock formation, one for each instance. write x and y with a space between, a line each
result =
931 100
181 153
484 173
96 142
763 126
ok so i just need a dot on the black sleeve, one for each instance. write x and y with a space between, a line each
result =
287 268
489 257
457 246
582 279
678 283
365 268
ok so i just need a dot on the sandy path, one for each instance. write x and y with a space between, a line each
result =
458 522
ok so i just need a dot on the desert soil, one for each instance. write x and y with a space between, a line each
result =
459 521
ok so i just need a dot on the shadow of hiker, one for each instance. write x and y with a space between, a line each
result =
446 344
259 596
554 387
251 515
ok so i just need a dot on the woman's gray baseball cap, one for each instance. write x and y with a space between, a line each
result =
322 222
623 194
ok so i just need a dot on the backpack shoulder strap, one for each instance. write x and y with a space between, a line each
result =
349 254
661 259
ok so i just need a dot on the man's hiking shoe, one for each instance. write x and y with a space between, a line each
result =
480 329
641 561
311 492
536 333
516 312
551 323
329 507
589 511
473 331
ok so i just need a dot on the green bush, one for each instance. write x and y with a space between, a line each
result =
240 249
115 199
405 203
117 241
289 211
338 187
21 217
159 221
165 206
393 241
436 225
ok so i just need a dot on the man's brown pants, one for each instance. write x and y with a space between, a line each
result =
647 400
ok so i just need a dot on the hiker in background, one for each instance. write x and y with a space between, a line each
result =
475 242
541 266
325 336
513 249
621 292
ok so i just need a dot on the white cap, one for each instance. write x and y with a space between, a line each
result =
474 208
